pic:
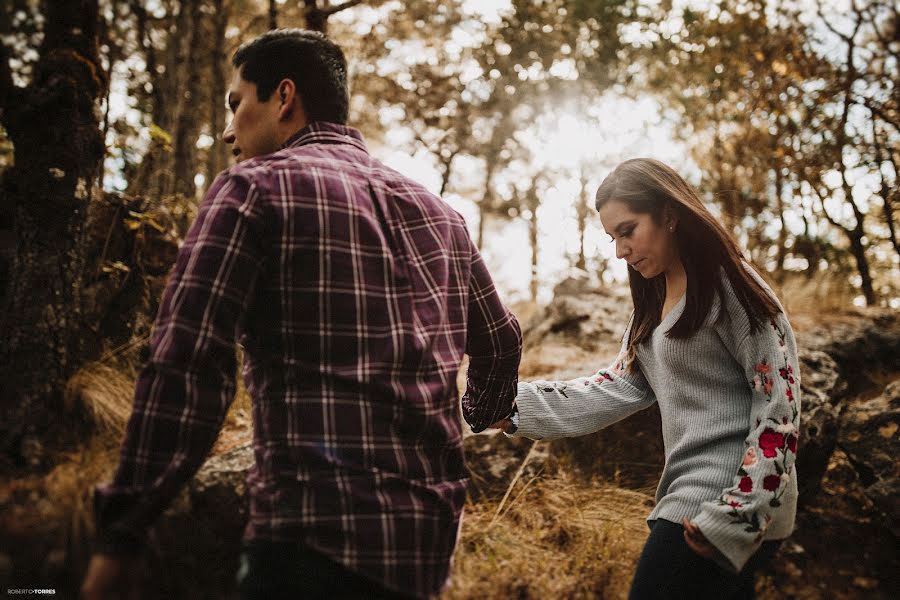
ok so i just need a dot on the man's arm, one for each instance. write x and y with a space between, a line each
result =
494 346
185 389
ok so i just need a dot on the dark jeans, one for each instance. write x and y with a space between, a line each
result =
668 568
284 571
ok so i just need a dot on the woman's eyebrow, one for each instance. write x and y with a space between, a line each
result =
623 225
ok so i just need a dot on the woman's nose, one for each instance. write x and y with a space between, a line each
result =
621 250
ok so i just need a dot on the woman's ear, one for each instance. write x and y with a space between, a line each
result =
671 219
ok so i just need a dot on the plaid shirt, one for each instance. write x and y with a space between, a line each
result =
354 293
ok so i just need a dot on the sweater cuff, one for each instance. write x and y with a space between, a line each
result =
721 534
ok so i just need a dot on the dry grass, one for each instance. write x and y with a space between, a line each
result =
808 300
556 538
105 393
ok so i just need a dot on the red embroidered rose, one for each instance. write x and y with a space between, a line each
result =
771 482
790 395
792 443
746 485
763 368
770 441
767 387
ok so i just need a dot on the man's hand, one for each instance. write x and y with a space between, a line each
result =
110 578
698 542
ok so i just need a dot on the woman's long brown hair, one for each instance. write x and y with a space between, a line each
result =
646 186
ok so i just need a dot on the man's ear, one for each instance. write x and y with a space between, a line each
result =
287 94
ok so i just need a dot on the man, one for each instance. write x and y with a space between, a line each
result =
354 293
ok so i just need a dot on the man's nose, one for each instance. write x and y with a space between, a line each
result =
228 134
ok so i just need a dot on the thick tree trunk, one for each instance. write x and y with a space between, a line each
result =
170 164
55 129
187 130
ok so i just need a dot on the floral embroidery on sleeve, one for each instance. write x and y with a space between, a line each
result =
776 444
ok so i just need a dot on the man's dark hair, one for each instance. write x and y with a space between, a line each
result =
314 63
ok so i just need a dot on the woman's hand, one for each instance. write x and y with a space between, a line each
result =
698 542
503 425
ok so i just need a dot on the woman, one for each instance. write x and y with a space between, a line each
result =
712 346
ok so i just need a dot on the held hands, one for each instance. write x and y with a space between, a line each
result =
698 542
110 578
503 425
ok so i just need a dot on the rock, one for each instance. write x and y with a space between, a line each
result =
581 319
200 534
821 387
862 348
870 437
820 374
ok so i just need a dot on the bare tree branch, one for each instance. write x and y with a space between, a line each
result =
327 12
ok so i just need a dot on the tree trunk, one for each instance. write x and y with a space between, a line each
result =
54 126
782 232
862 265
581 212
273 15
533 240
216 159
184 156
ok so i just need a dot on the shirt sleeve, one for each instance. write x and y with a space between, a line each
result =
188 383
554 409
494 346
765 480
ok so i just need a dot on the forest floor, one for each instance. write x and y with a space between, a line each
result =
557 531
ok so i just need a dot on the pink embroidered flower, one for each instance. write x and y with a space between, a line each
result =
749 457
792 443
770 441
732 501
771 482
746 485
757 384
763 368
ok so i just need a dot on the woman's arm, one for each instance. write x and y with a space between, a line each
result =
764 486
553 409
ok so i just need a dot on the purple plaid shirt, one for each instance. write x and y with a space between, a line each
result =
354 293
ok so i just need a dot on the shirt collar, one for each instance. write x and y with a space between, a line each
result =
323 132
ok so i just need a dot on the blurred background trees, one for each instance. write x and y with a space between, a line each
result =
784 114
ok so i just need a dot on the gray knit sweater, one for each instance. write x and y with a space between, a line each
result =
730 405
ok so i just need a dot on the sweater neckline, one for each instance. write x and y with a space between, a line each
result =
675 312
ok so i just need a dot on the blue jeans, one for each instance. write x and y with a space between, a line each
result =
285 571
668 568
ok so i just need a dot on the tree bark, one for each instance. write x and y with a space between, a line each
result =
581 212
187 129
216 158
54 126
